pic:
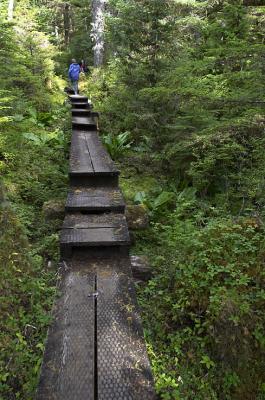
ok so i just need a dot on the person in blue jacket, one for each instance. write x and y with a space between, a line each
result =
73 73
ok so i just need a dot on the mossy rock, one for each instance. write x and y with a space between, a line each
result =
53 209
137 217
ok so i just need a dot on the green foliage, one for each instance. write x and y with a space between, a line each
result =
27 291
34 170
33 167
187 81
117 144
207 302
54 139
181 97
155 204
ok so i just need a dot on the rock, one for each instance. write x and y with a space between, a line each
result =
53 209
137 217
141 268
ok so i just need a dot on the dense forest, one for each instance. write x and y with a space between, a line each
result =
180 87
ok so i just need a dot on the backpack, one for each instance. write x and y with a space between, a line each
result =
74 71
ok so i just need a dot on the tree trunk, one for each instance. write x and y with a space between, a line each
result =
66 22
97 33
10 10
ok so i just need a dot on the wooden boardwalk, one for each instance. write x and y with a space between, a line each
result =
95 348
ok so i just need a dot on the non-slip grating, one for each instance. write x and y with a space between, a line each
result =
95 348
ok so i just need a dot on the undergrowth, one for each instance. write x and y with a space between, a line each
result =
203 310
34 152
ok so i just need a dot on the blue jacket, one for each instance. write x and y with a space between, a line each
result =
74 71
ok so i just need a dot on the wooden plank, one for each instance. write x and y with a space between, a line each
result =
84 111
123 368
88 156
95 199
112 224
99 156
94 230
68 366
77 98
81 111
84 122
81 104
89 237
80 159
86 221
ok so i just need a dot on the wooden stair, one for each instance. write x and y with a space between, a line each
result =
93 230
79 112
77 98
90 164
95 347
96 199
84 122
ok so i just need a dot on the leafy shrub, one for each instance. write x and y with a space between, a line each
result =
117 144
155 204
208 300
27 292
55 139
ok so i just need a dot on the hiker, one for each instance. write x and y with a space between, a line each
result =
83 66
73 73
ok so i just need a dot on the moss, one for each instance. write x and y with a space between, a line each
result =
131 183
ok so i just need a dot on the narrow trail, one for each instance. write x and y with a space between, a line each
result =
95 348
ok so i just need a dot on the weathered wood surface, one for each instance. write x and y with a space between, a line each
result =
84 112
82 105
83 221
76 98
89 159
95 199
88 154
123 367
68 368
84 122
93 230
95 348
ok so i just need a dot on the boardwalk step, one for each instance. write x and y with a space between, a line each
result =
90 164
94 221
95 200
84 122
93 230
82 105
84 112
95 347
76 98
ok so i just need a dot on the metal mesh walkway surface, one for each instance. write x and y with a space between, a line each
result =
95 347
